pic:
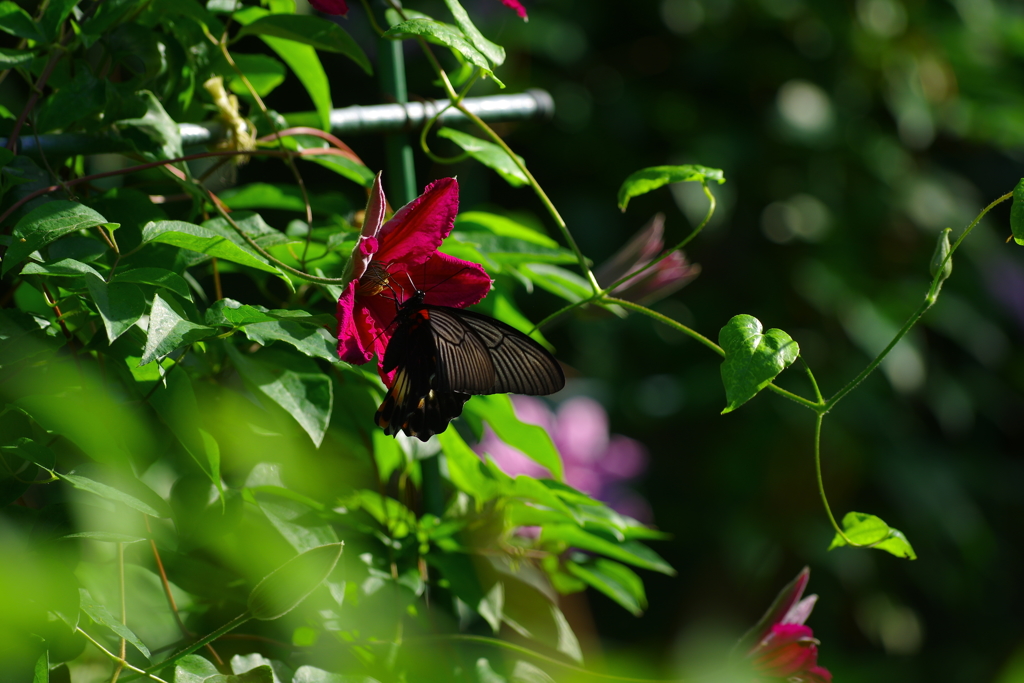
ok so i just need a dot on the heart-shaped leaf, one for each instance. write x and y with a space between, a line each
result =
865 529
753 358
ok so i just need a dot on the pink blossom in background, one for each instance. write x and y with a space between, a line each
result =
594 461
330 6
518 7
657 282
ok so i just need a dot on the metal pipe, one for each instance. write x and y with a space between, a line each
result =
354 120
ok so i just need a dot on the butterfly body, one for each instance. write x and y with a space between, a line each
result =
443 355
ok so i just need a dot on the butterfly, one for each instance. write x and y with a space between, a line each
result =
445 355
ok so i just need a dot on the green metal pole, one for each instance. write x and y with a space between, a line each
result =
401 172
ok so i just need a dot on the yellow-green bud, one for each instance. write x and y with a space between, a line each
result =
941 251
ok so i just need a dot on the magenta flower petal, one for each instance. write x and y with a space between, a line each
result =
368 245
450 281
351 320
417 230
518 7
330 6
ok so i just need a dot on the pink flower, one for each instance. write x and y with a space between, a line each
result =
657 282
518 7
391 261
594 461
330 6
784 649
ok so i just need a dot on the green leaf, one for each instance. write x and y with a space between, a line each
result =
531 440
315 342
865 529
230 313
17 22
264 196
443 34
103 537
154 131
56 12
46 223
193 669
502 226
177 407
558 281
630 552
284 588
11 59
27 449
65 267
495 53
530 613
465 469
752 358
155 507
617 581
169 331
158 277
101 615
263 72
399 520
1017 213
465 581
300 58
343 166
41 673
316 32
489 154
647 179
120 305
83 97
292 382
205 241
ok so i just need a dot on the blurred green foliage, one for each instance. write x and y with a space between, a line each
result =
199 411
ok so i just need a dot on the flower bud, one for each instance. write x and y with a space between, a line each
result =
942 248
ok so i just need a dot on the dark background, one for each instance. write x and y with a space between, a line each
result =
850 133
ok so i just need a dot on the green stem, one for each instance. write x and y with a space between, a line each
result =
120 661
821 483
668 252
929 299
539 191
667 321
230 626
816 407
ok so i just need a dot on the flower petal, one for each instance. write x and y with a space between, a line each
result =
419 227
450 281
518 7
367 245
330 6
351 322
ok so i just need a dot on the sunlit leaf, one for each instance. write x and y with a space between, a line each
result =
203 240
101 615
647 179
316 32
617 581
158 277
153 506
753 358
531 440
443 34
46 223
489 154
263 72
629 552
17 22
120 304
865 529
169 331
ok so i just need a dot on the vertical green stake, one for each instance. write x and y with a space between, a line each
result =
401 183
401 173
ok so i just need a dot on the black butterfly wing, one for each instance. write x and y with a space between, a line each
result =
419 402
443 355
480 355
